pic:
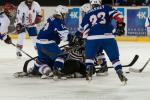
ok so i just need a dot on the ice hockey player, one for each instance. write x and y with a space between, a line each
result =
53 32
6 11
147 24
100 56
28 15
98 23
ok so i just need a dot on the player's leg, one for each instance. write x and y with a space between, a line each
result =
111 48
20 41
32 31
59 61
52 51
41 69
42 63
101 60
91 48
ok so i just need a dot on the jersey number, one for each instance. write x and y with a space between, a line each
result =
99 17
46 27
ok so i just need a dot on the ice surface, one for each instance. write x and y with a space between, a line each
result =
101 88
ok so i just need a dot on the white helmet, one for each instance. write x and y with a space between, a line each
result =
61 10
86 7
95 2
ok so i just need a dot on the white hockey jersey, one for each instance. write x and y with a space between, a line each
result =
147 22
27 16
4 23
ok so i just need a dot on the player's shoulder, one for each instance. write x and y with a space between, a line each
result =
4 18
22 4
36 3
51 19
2 14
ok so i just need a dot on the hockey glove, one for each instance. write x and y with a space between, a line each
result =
20 28
7 40
38 19
75 40
120 29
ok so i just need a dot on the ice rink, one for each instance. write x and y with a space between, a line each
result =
100 88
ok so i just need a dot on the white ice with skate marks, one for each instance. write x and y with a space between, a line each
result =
100 88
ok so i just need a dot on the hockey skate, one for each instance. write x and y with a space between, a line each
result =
89 73
56 74
121 76
19 55
46 74
103 71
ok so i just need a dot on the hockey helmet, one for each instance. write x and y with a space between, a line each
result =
95 2
85 8
61 10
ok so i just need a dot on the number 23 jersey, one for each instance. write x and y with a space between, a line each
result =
97 21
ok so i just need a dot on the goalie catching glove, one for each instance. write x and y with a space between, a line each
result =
120 29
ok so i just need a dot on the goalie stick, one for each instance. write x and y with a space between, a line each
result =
130 64
141 69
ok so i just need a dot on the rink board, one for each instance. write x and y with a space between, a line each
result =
122 38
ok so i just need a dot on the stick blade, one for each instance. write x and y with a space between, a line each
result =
134 60
134 70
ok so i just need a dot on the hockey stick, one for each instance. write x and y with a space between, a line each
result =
130 64
22 51
33 58
141 69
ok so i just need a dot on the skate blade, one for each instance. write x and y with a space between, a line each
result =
18 57
55 78
124 83
102 74
64 78
44 77
89 79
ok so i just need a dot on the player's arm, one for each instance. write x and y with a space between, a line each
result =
3 32
83 28
20 17
39 15
118 17
63 33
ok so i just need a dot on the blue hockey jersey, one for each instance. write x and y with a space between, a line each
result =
54 30
97 21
